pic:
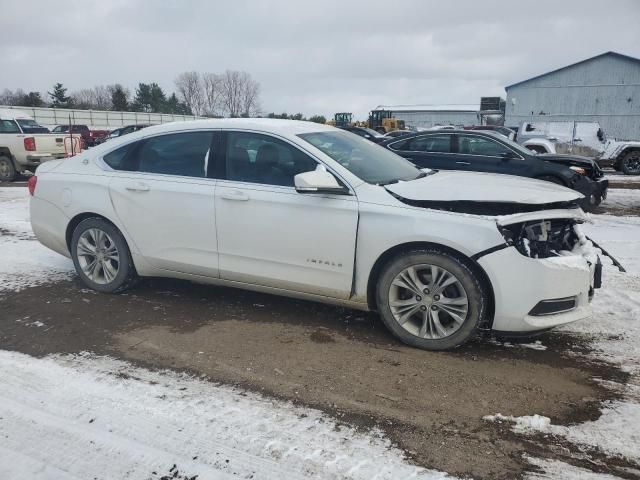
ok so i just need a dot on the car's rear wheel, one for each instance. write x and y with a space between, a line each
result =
431 299
101 256
631 163
7 169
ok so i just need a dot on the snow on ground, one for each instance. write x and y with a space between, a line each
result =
78 417
24 262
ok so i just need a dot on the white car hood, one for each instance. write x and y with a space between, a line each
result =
457 186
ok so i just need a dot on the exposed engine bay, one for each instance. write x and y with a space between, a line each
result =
543 238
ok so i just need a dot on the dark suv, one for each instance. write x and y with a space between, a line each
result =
484 151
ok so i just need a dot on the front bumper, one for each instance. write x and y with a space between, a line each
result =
520 283
594 191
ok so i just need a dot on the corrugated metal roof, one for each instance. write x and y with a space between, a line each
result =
614 54
430 108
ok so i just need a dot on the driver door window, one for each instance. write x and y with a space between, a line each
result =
257 158
480 146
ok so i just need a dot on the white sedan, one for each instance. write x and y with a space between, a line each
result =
313 212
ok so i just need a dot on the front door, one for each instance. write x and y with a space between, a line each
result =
268 234
165 201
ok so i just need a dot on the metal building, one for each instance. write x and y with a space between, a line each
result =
603 89
425 116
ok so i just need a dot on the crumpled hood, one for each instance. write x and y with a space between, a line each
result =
457 186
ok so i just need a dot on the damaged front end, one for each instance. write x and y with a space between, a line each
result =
560 241
542 238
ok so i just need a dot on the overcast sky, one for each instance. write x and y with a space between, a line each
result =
311 57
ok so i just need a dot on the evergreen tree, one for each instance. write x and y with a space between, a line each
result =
318 119
32 99
59 98
119 98
142 100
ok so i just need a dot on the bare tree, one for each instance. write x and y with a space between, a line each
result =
96 98
190 91
8 97
212 90
240 94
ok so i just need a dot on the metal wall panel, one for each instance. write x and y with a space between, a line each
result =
604 89
50 117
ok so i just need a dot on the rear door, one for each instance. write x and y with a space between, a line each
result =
165 201
427 151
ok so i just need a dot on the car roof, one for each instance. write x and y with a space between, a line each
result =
269 125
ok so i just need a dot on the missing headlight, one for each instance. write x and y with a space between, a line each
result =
541 238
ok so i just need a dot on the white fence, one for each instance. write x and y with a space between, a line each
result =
99 119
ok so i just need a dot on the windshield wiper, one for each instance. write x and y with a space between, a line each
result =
388 182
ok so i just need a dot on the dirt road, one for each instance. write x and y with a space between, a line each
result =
340 361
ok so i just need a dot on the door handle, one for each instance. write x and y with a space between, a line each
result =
137 187
577 139
463 163
235 195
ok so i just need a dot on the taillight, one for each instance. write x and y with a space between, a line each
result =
33 180
30 144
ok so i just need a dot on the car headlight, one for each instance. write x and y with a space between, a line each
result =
580 170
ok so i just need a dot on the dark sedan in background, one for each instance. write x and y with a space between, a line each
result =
367 133
484 151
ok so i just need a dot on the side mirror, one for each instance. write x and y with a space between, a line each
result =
318 181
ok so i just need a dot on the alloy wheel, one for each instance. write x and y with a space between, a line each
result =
428 301
98 256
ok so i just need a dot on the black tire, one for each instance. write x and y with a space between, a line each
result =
126 275
630 164
7 169
473 286
552 179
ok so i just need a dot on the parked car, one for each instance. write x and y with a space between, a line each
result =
505 131
309 211
22 149
89 136
367 133
581 138
483 151
397 133
119 132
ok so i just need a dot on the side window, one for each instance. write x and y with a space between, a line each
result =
472 145
9 126
116 158
257 158
431 144
400 145
181 154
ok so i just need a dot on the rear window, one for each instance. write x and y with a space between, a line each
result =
115 159
8 126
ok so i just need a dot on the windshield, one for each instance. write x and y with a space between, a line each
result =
366 160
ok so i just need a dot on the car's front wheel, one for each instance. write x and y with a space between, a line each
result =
101 256
431 299
631 163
